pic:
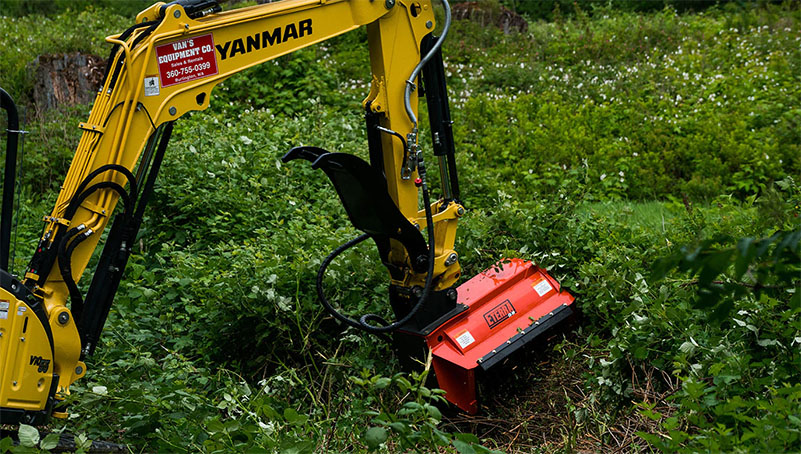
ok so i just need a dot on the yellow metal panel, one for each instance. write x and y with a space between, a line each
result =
26 362
67 349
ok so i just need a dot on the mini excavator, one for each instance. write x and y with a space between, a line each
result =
166 65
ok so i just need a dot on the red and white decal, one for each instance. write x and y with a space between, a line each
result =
186 60
542 287
464 339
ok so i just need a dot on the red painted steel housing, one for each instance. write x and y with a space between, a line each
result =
509 305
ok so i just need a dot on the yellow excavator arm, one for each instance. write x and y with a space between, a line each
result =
165 65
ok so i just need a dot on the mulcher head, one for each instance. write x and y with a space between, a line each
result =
507 306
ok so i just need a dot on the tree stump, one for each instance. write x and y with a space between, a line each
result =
66 80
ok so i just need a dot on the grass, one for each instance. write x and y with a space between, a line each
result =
216 342
651 216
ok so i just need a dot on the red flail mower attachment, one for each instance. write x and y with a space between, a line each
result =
508 306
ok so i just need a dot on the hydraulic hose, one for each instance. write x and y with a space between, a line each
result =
76 299
76 201
65 265
105 168
410 85
125 35
66 248
363 322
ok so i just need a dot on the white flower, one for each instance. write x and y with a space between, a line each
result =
603 175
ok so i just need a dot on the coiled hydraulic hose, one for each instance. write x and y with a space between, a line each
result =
66 248
364 321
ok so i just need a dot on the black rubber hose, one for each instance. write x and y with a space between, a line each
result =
65 251
125 35
321 274
363 322
76 300
64 265
102 169
76 201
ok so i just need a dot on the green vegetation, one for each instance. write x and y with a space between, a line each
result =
650 161
18 8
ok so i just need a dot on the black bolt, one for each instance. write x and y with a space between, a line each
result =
63 318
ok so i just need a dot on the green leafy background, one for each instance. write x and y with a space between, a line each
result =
649 159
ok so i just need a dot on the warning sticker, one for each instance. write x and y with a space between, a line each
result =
542 287
465 339
4 310
152 86
186 60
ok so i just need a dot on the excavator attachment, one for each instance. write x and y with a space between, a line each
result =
468 328
508 305
485 320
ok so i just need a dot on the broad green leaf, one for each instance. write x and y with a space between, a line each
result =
434 412
50 441
795 301
746 251
462 447
28 435
6 444
375 436
269 412
297 447
716 264
763 245
399 427
215 426
466 437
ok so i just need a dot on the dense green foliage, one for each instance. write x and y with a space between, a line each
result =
595 146
557 9
17 8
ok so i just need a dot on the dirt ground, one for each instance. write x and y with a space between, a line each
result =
537 402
